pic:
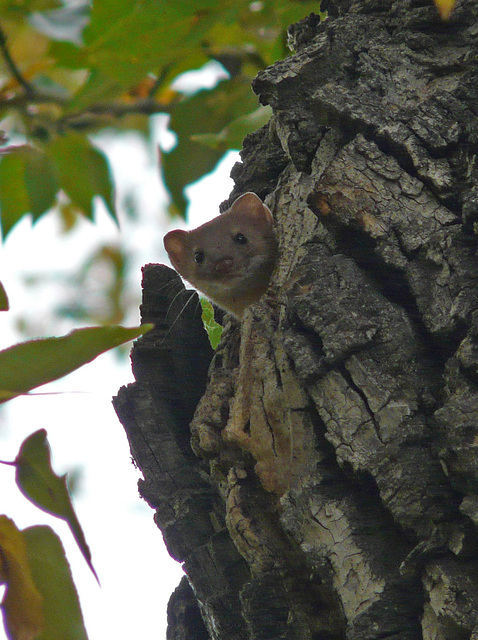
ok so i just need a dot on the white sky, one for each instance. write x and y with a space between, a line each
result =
136 573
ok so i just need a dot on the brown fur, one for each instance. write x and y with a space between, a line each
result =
231 258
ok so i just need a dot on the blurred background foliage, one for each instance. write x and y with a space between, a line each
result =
72 71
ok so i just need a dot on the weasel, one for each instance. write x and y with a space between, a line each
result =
231 258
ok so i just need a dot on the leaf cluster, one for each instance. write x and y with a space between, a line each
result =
71 71
40 600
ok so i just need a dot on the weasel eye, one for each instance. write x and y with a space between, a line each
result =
240 238
199 256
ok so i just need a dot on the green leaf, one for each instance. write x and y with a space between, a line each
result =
82 171
69 55
52 576
40 182
189 160
169 32
27 185
97 89
37 481
16 12
3 298
213 329
14 199
31 364
232 136
39 5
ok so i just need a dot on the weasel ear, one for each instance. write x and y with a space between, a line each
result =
251 205
176 244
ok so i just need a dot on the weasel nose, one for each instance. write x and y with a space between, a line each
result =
223 266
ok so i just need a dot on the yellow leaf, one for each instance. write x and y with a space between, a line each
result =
22 604
445 7
28 48
52 576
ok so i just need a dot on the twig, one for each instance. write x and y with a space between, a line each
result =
34 97
116 110
12 66
159 80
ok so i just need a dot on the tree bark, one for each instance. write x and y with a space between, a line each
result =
331 487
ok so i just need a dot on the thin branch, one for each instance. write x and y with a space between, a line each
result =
87 117
34 97
12 66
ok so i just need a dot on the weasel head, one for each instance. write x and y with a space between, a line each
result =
231 258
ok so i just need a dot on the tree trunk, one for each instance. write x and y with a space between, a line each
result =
332 492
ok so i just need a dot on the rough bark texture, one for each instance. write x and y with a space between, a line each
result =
331 487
